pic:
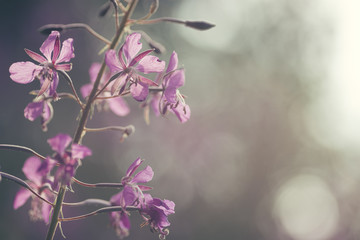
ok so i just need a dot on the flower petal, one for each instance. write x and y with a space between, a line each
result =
64 67
54 84
93 71
129 197
45 212
45 86
86 89
79 151
59 142
154 103
144 188
21 197
175 79
139 57
150 64
48 45
47 115
67 51
33 110
182 112
133 167
119 106
112 61
56 51
24 72
172 83
35 56
118 83
139 91
173 62
143 176
146 81
132 46
30 169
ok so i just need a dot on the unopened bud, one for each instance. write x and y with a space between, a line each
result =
104 9
47 29
158 47
199 25
127 132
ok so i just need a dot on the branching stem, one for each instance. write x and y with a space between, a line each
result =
85 114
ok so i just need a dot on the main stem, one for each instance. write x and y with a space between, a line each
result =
85 114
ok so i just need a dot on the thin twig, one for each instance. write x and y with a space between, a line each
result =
47 29
90 201
23 184
68 79
21 148
101 210
95 185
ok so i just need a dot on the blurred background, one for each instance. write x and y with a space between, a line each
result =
272 147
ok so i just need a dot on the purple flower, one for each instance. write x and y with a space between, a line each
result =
41 109
171 99
121 223
132 191
131 195
128 63
37 173
155 212
117 105
68 160
25 72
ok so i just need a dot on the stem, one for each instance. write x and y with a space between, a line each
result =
20 148
95 185
101 210
85 114
61 27
129 129
90 201
23 184
57 210
68 79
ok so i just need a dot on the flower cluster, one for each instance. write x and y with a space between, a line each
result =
127 69
39 174
129 72
153 210
39 179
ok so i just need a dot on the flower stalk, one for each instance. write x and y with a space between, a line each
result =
85 114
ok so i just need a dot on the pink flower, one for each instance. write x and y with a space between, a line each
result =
155 212
131 195
171 98
128 63
121 223
68 160
25 72
41 109
117 105
37 173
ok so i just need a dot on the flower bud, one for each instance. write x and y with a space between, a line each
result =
47 29
158 47
104 9
199 25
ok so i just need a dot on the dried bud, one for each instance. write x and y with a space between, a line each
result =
104 9
199 25
158 47
47 29
127 132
